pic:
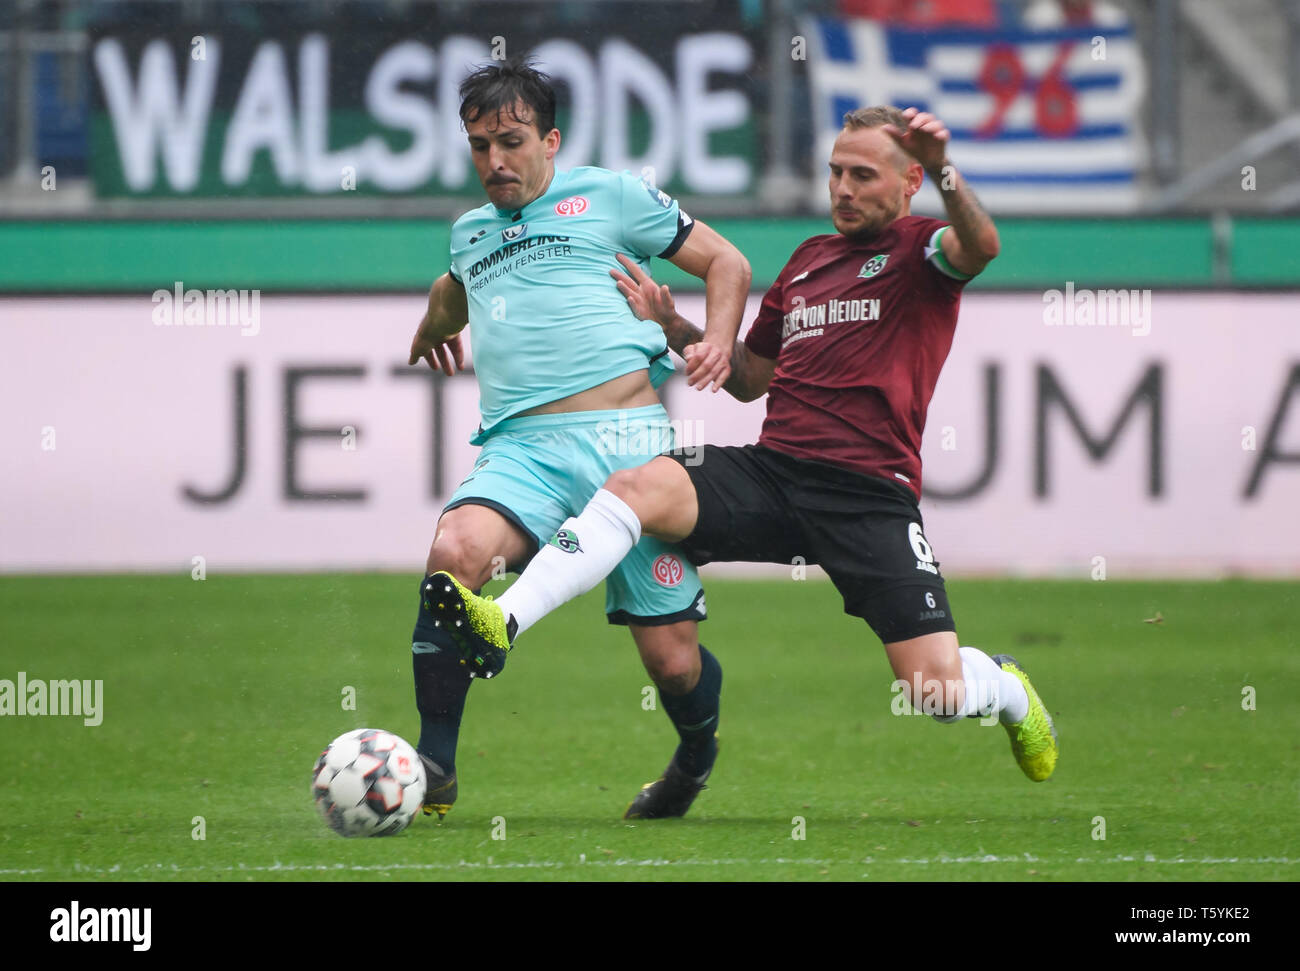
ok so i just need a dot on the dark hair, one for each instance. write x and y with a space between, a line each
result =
499 87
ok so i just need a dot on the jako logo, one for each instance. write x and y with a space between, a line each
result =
668 570
102 924
572 206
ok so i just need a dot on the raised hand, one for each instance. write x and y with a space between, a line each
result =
648 300
706 363
926 138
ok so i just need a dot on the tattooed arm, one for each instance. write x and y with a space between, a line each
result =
749 374
973 243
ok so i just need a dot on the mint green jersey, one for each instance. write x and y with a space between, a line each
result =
546 319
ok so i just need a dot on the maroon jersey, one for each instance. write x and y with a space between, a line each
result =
859 329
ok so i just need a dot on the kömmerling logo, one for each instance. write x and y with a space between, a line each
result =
83 699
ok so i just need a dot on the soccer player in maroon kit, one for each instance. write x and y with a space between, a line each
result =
847 345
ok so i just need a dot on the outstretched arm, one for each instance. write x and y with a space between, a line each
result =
748 374
437 339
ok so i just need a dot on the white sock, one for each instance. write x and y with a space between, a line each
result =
584 551
989 690
1013 698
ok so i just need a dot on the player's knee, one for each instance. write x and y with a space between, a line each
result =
934 692
673 667
661 495
673 676
627 485
947 700
460 556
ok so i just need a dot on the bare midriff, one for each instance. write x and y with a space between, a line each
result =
632 390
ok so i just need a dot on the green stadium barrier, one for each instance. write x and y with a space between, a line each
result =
1265 252
396 255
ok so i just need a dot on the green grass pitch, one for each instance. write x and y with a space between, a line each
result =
219 694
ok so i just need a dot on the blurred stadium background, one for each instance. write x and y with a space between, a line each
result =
218 222
306 158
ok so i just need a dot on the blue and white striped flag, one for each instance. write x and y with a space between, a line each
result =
1040 120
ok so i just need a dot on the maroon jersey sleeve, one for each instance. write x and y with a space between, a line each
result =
764 337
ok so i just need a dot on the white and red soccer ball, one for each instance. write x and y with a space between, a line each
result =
368 783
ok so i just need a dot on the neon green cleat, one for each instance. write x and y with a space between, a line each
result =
476 624
1033 740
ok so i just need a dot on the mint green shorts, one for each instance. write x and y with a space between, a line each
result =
540 470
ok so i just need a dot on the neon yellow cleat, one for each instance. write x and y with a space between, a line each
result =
476 623
1033 740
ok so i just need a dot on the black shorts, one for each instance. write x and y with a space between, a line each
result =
763 506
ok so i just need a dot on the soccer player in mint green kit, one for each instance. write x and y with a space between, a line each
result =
567 377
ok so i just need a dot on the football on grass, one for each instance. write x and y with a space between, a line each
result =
368 783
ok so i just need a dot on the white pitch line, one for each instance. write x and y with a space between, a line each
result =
1027 858
647 863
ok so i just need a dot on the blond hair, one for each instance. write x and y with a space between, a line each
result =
874 117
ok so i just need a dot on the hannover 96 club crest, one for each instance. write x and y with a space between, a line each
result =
873 266
566 540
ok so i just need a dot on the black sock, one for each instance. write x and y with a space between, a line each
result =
441 686
695 716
